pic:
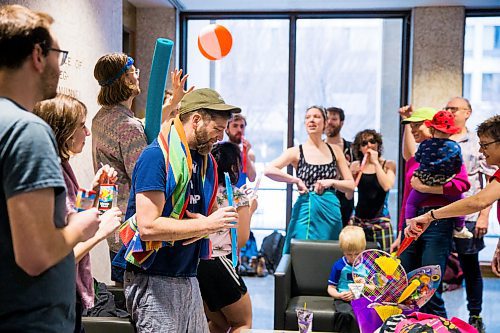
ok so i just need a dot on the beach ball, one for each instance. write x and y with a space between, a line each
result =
215 41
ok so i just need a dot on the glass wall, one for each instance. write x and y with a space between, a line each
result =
254 76
482 88
354 64
351 63
482 67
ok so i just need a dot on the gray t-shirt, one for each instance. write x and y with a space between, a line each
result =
28 162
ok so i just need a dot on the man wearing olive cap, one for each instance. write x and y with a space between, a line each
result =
171 209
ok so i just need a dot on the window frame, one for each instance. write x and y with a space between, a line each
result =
293 16
473 13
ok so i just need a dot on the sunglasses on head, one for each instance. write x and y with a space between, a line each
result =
365 142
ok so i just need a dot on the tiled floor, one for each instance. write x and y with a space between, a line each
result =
262 295
261 291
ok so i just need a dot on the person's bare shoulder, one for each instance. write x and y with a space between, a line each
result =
293 152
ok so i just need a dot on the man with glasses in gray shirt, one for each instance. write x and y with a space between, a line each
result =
37 293
477 223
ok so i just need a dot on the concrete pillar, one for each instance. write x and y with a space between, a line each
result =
152 23
437 55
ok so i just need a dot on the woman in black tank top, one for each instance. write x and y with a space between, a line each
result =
321 169
375 181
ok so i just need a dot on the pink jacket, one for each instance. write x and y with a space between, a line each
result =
459 184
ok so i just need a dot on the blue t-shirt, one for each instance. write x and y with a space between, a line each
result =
29 162
150 175
341 275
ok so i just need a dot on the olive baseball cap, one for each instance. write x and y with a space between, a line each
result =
420 114
205 98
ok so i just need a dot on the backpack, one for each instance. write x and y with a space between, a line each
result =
250 248
453 275
272 249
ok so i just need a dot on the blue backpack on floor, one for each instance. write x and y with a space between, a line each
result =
250 249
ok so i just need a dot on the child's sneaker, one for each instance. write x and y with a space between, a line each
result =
463 233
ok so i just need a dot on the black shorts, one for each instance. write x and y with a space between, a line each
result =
220 284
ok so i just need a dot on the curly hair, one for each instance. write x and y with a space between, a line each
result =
119 90
490 127
228 158
63 114
358 139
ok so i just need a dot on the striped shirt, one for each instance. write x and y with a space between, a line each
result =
118 139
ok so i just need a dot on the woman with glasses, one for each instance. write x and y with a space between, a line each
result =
321 170
489 142
434 247
118 137
376 177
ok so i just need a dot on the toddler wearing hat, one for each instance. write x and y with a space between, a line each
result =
440 160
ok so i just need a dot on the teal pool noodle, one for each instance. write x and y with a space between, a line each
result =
156 88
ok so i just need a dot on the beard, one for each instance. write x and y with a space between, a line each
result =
332 131
234 138
136 91
203 143
49 80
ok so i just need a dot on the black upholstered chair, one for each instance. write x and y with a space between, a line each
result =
302 277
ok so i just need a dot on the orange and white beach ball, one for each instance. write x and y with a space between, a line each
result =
215 41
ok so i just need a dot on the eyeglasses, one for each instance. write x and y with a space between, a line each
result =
63 55
136 71
453 109
365 142
485 145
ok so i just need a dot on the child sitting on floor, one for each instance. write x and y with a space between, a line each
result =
352 243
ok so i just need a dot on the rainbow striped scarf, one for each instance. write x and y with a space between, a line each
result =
179 167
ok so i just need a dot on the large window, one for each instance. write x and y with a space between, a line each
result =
482 67
482 88
354 64
274 74
253 76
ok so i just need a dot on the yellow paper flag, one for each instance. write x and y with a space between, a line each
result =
385 311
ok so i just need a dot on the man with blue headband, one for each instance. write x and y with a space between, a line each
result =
118 137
